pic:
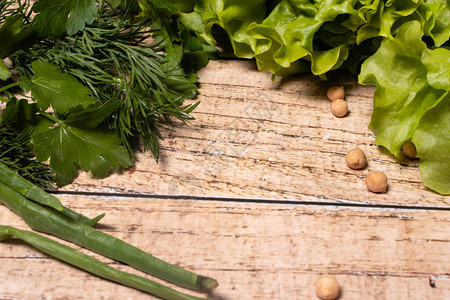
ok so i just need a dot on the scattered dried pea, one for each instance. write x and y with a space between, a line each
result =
409 149
336 92
327 288
356 159
339 108
376 182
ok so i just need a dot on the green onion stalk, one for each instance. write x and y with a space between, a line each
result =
50 221
92 265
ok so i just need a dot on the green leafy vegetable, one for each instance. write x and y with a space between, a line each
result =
403 92
55 17
437 63
19 114
14 35
62 91
108 86
113 58
16 30
433 146
69 147
234 17
71 138
5 73
147 5
411 80
17 155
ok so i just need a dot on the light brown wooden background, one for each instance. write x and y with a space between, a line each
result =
255 193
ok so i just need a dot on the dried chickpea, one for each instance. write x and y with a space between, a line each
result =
327 288
376 182
355 159
339 108
336 92
409 149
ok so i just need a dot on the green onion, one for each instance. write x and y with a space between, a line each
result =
45 220
92 265
29 190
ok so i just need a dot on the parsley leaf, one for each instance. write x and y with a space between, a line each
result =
92 116
56 17
91 149
18 113
73 137
62 91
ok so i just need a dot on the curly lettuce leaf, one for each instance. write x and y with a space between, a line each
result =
403 93
234 16
432 137
432 141
284 41
411 101
440 29
437 62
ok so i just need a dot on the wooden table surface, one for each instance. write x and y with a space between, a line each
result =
255 193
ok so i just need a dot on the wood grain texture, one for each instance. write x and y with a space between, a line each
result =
255 192
257 251
262 139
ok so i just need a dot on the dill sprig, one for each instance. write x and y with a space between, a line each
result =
16 153
115 58
14 7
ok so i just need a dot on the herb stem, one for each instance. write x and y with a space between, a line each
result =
50 117
7 87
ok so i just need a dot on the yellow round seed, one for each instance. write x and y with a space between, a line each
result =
327 288
409 149
356 159
336 92
377 182
339 108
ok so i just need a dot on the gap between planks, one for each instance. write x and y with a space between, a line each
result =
289 202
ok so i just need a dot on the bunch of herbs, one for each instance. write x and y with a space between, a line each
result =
109 76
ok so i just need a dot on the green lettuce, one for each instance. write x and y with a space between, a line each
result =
314 36
234 17
433 146
403 93
411 101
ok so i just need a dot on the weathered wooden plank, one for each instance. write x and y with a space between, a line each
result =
256 251
255 138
